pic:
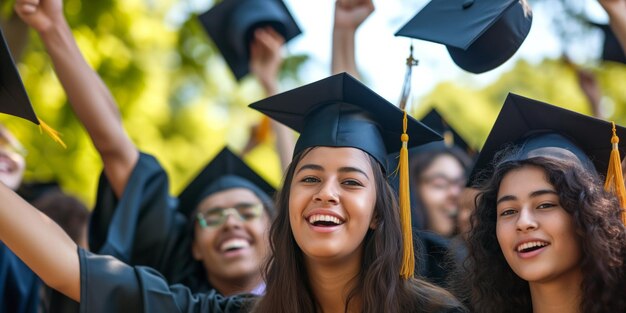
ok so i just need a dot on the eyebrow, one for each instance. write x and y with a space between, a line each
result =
353 169
533 194
314 167
345 169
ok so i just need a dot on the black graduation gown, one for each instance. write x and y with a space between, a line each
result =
434 257
144 227
19 286
110 286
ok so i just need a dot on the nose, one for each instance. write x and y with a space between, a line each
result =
232 221
455 190
327 193
526 220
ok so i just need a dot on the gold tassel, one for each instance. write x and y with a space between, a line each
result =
55 135
614 178
263 131
408 257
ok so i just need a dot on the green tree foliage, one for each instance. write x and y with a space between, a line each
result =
472 111
177 98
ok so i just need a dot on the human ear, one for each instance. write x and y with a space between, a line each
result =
195 251
374 222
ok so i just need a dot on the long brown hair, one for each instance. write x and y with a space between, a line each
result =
596 214
378 283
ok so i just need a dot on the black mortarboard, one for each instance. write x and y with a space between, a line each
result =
231 25
611 48
225 171
535 129
480 34
339 111
13 97
451 138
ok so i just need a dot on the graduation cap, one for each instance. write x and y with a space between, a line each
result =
13 98
231 25
451 138
480 35
225 171
339 111
537 129
611 48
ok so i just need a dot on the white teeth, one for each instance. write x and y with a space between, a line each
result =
324 218
532 244
235 243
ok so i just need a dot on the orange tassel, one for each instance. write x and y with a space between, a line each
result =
54 134
264 129
408 258
614 178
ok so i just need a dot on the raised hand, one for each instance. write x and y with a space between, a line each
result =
266 58
40 14
350 14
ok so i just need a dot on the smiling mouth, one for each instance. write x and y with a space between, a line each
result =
531 246
234 245
324 220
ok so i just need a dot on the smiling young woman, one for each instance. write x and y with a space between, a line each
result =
546 236
337 242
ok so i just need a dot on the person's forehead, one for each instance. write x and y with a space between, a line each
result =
525 180
445 163
229 197
337 157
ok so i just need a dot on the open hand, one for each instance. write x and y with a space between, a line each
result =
349 14
265 57
40 14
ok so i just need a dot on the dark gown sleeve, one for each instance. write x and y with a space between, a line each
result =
108 285
143 227
19 286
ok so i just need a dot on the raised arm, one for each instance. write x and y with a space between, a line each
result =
617 18
108 285
349 15
40 243
265 62
88 95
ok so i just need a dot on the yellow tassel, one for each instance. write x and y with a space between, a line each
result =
408 258
55 135
264 129
614 178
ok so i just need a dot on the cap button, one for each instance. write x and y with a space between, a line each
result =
467 4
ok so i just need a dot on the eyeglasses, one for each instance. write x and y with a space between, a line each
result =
439 181
217 216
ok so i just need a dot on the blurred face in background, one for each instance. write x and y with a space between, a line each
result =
12 162
440 186
232 242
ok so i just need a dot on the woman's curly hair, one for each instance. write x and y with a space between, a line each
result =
494 287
